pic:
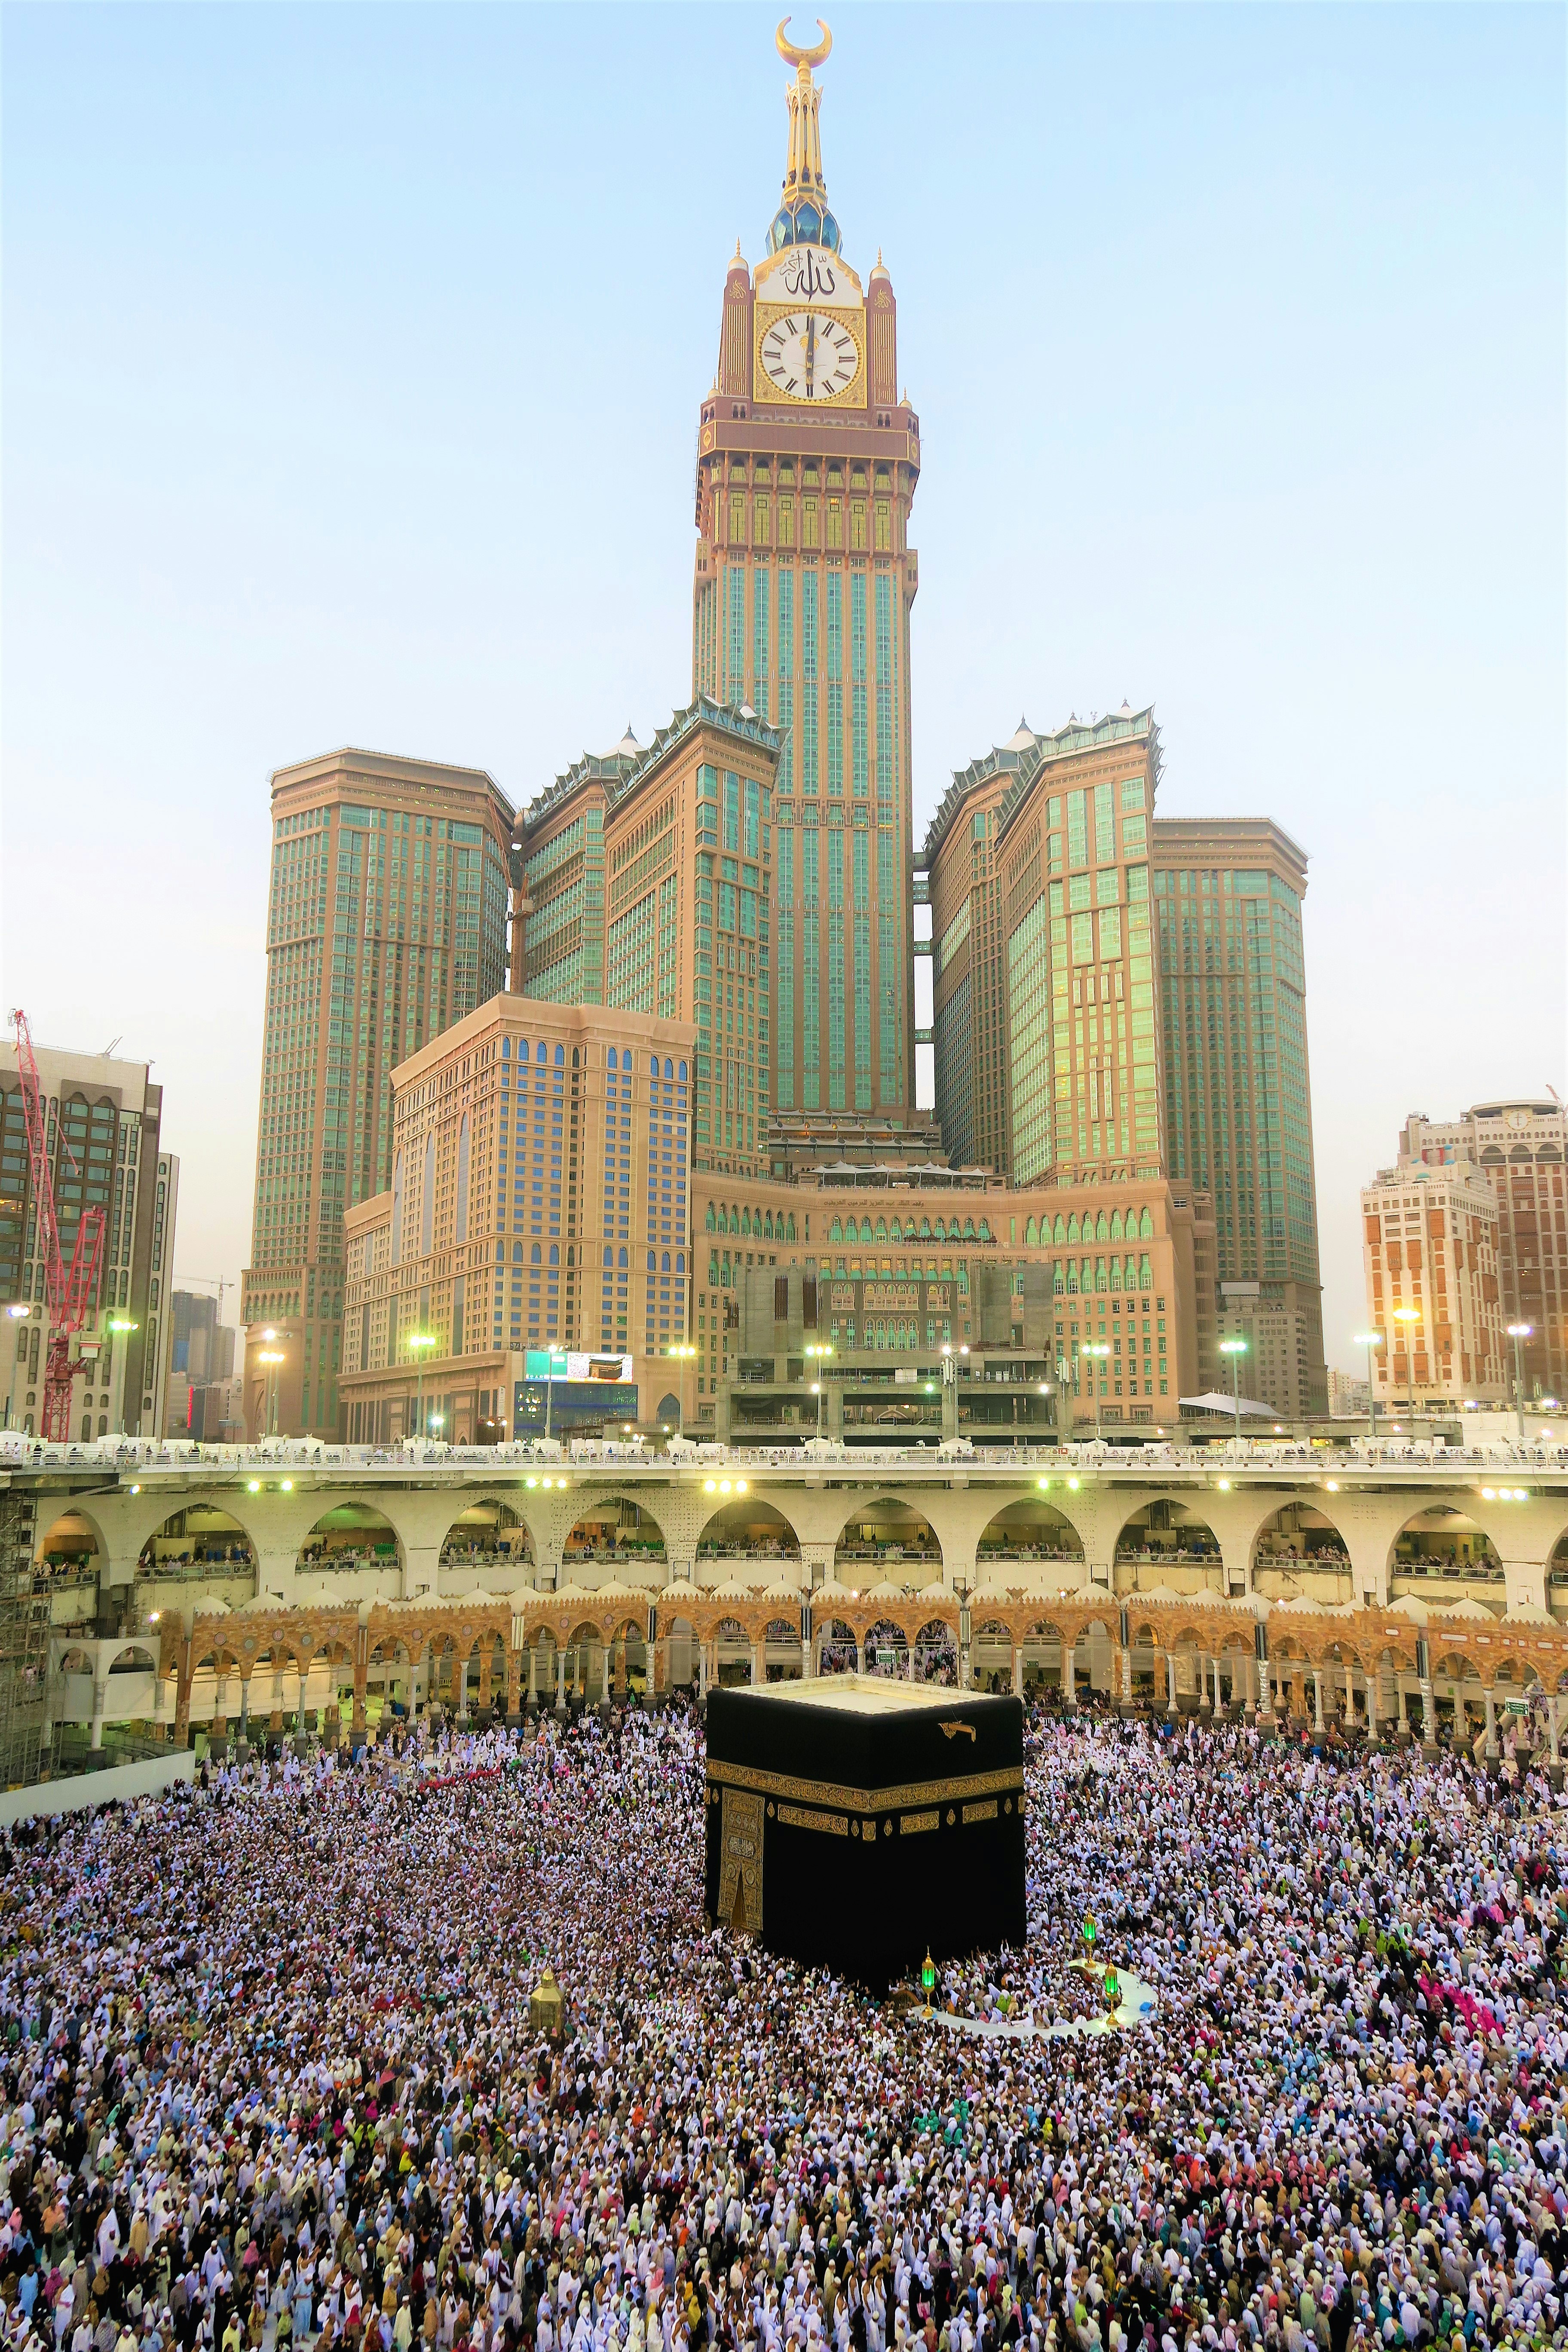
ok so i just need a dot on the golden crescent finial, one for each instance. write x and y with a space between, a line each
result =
794 57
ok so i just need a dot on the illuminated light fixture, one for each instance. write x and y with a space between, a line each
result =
1073 1485
253 1487
530 1482
1224 1485
136 1490
709 1486
1333 1486
1488 1495
17 1312
120 1323
724 1485
1521 1493
153 1616
1043 1483
739 1485
287 1486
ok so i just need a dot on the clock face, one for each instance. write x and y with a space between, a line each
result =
808 355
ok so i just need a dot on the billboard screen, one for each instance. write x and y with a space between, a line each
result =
573 1405
555 1364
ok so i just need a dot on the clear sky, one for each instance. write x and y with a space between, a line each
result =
352 358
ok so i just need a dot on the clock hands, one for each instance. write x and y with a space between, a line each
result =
810 352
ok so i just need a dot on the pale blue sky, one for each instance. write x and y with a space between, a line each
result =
352 364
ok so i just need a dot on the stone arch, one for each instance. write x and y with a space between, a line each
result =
391 1671
836 1645
1166 1532
627 1641
202 1535
1029 1528
745 1525
489 1532
886 1649
584 1643
731 1652
352 1535
880 1531
990 1649
935 1652
72 1543
1441 1539
782 1635
669 1413
613 1527
1299 1535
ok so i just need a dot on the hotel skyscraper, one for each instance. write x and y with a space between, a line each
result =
386 922
806 470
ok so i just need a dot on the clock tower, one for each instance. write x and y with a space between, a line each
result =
806 470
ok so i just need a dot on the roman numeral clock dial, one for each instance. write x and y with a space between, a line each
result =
808 355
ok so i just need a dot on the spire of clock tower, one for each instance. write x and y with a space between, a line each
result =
803 217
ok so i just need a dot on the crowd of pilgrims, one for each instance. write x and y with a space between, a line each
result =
269 2078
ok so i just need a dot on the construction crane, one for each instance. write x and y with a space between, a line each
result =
69 1290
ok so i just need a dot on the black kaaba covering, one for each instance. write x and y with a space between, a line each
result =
854 1822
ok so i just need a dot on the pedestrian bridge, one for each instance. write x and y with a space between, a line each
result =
341 1576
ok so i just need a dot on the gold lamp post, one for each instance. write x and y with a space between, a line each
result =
821 1350
416 1343
1408 1314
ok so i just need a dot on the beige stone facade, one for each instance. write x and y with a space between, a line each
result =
1429 1247
1521 1145
539 1201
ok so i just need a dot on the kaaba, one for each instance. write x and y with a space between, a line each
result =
854 1822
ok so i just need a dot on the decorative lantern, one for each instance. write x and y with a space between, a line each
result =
546 2006
928 1978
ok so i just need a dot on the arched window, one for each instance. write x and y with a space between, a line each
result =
836 1231
713 1267
561 1057
1146 1224
709 1221
1102 1230
1059 1231
680 1261
615 1064
534 1254
682 1073
668 1068
1145 1273
555 1253
623 1261
1116 1225
541 1054
653 1262
881 1229
969 1229
1072 1228
573 1057
745 1221
986 1229
653 1065
789 1221
1031 1235
609 1256
1100 1274
517 1255
664 1263
1116 1274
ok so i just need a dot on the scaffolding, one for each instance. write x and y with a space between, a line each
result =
24 1643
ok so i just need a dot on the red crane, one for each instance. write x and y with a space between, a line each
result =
68 1289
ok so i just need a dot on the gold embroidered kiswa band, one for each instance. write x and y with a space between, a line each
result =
797 1818
911 1824
1009 1780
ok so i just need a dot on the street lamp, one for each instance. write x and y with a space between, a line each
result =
1235 1350
1519 1333
682 1353
1095 1348
417 1342
1409 1314
821 1350
1369 1340
272 1356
